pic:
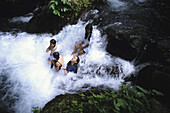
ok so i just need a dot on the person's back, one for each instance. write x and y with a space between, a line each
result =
58 61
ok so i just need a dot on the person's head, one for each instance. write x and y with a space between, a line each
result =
52 42
56 55
75 59
89 28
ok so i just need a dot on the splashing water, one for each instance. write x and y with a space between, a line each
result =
29 80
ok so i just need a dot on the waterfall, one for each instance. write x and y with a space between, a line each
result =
27 80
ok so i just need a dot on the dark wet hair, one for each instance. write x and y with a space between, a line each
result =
56 55
88 35
89 27
78 59
53 41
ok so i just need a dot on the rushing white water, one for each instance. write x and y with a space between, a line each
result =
30 80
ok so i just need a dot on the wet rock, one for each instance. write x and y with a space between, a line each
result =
45 23
164 46
155 77
120 48
152 54
125 43
10 8
157 52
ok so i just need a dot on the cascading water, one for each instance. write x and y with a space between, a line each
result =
27 80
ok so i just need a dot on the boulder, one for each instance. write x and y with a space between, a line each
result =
155 77
164 46
11 8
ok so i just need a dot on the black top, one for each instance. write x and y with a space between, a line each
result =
71 68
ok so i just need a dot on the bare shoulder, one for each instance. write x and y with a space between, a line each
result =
55 47
61 59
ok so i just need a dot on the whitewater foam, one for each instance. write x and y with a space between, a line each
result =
32 83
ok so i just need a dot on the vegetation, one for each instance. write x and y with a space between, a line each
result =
70 8
36 110
127 99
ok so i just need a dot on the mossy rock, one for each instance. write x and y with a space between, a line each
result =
127 99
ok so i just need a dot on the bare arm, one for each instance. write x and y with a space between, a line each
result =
48 49
65 71
82 43
87 45
56 68
53 50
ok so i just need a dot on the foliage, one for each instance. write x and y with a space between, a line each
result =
127 99
70 8
36 110
60 6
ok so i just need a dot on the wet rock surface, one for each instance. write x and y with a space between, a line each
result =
11 8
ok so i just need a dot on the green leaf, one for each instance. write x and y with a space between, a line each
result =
140 103
75 102
64 1
61 10
157 92
81 110
56 3
114 101
95 102
82 95
65 9
85 1
76 14
68 3
52 1
93 94
90 102
117 107
143 90
85 5
52 6
122 103
56 12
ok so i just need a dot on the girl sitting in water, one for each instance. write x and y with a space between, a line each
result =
52 47
83 47
72 65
